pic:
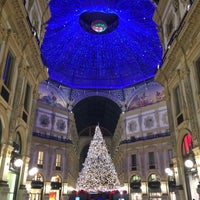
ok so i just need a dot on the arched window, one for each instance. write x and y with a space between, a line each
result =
56 183
17 143
187 145
171 183
135 182
16 158
37 181
154 181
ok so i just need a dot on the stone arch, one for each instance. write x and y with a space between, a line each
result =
96 109
100 94
154 182
56 182
23 137
135 183
180 137
56 178
37 181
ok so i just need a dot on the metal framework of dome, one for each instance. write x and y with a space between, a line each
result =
125 52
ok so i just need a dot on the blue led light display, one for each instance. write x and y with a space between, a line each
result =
120 58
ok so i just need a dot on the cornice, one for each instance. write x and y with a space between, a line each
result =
181 44
25 38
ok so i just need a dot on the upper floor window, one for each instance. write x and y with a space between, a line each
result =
151 160
170 156
177 100
27 97
178 105
8 70
1 131
197 64
27 101
40 158
133 162
58 161
7 76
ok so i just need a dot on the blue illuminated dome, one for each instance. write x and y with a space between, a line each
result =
107 44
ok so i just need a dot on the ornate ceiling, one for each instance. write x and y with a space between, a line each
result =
105 44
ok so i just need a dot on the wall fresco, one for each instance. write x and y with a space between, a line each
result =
146 94
51 95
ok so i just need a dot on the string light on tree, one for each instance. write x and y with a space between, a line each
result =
98 173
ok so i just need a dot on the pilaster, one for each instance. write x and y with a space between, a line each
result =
22 193
191 108
196 152
180 195
5 161
24 170
4 189
17 103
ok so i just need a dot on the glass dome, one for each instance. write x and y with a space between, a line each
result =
124 52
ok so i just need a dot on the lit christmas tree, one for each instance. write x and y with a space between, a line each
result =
98 173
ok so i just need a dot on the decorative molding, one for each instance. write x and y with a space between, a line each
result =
149 122
61 125
44 120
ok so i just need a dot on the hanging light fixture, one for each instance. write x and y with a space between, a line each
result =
33 171
169 172
18 162
189 163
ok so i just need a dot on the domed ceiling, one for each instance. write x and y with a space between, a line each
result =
107 44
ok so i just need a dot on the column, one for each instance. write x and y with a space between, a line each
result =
197 160
180 195
144 190
17 103
22 192
191 107
5 163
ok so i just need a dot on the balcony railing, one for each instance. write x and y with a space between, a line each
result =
148 137
51 137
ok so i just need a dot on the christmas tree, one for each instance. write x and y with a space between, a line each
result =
98 173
